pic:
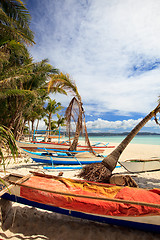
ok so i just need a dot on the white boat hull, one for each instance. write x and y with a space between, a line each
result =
141 166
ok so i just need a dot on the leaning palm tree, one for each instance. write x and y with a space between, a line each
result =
66 84
103 171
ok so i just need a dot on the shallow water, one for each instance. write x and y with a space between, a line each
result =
149 139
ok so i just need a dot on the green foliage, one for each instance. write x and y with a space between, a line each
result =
23 83
61 120
7 142
51 109
24 92
63 83
14 22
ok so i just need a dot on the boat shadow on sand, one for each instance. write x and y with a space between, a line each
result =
32 223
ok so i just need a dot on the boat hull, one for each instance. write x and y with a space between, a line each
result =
62 160
61 146
147 224
150 222
141 166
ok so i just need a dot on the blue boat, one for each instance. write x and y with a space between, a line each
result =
64 158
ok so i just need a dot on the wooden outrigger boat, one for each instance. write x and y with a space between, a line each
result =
82 158
138 166
32 146
63 157
123 206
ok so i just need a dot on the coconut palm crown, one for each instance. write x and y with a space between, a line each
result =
75 109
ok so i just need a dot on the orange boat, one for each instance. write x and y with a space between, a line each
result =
123 206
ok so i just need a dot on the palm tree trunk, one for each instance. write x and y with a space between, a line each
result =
16 114
32 129
18 127
111 160
49 119
23 126
37 124
29 131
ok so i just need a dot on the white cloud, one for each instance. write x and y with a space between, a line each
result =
99 43
125 124
100 125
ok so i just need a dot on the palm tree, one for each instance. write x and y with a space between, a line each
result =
21 93
51 109
14 22
109 163
75 109
61 120
53 125
14 25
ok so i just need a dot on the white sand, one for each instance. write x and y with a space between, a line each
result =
31 223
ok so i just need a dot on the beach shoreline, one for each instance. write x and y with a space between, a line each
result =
32 223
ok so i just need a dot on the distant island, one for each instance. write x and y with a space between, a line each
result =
99 134
120 134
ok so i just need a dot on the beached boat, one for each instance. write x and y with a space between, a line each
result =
63 158
70 159
32 146
82 158
123 206
137 166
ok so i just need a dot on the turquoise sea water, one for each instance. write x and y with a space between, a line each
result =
149 139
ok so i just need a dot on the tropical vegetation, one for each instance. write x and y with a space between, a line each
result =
7 144
23 83
74 112
51 109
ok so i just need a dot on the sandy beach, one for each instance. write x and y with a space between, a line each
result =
32 223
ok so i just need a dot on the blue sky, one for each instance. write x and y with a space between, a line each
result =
112 51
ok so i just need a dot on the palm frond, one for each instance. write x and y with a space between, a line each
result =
7 141
16 17
16 92
65 82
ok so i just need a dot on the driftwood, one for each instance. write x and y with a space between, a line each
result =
103 174
122 180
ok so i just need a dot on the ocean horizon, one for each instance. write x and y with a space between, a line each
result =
139 139
150 139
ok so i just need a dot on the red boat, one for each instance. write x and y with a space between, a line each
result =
32 146
106 203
